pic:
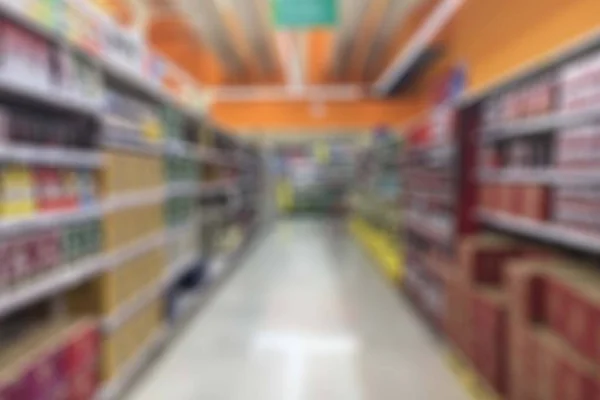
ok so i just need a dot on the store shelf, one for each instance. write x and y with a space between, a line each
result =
135 249
72 275
429 227
51 98
38 155
132 307
134 199
14 15
47 220
536 125
517 175
544 231
155 150
115 388
56 282
548 176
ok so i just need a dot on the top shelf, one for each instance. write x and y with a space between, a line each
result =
118 71
539 125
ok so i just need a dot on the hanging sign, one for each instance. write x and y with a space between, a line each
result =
304 13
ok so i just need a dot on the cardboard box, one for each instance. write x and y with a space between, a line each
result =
490 337
484 258
526 288
524 364
575 303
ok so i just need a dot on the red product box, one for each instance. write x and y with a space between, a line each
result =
536 203
51 190
504 198
83 347
524 364
580 324
32 243
526 290
558 305
21 261
516 203
573 382
84 385
548 359
11 391
49 250
490 337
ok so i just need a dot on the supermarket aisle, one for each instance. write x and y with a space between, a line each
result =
305 318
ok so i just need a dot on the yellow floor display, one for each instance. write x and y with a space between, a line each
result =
383 248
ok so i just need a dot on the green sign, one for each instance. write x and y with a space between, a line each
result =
304 13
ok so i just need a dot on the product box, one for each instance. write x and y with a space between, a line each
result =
482 258
490 337
457 317
570 375
82 346
22 260
535 203
524 364
16 192
50 189
574 303
527 288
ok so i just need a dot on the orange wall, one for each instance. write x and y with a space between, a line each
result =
251 116
495 37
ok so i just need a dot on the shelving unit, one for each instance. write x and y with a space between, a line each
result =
508 228
103 211
438 156
376 220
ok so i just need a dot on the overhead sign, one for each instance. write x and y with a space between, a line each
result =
304 13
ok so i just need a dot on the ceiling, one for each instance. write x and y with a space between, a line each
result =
232 43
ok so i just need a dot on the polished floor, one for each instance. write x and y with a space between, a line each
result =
306 317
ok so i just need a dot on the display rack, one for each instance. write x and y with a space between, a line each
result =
103 219
434 222
376 219
522 238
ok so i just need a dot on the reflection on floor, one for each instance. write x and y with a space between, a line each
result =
306 317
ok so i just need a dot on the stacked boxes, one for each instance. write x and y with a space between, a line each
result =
554 325
480 306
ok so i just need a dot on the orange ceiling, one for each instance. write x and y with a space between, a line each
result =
240 46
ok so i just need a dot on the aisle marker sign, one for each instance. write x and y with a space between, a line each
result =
304 13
